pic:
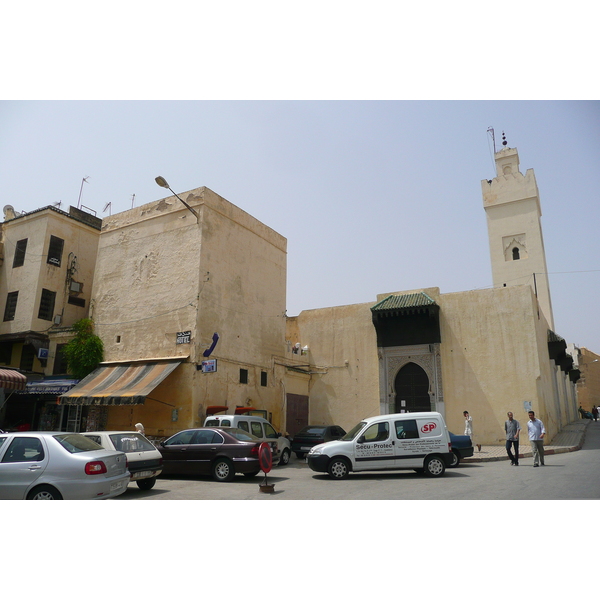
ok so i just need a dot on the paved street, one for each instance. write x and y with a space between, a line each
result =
566 476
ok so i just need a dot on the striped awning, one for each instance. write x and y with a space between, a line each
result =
12 380
119 384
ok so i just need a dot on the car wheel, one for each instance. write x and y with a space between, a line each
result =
455 459
300 455
338 468
285 457
250 475
434 466
44 492
146 484
222 470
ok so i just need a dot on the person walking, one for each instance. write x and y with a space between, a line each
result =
469 429
595 413
536 431
512 429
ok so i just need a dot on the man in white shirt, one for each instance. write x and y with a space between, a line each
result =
536 431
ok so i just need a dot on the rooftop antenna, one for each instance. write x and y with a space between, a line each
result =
132 200
490 130
84 180
109 207
57 204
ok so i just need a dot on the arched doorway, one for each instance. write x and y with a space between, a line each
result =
412 389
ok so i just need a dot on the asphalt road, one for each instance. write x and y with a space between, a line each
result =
568 476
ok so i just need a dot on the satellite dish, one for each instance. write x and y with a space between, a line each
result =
9 212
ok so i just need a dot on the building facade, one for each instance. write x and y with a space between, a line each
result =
46 274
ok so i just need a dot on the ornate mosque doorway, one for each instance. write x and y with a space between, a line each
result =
412 389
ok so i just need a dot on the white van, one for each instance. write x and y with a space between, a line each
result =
418 441
259 427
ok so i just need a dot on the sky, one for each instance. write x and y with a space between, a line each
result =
372 196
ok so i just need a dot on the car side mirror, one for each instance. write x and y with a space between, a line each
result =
361 439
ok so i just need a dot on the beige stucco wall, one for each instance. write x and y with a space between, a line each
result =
344 369
79 250
161 271
493 354
588 386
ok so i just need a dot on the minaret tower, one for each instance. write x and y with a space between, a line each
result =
512 205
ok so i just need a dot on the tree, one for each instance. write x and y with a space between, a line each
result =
85 351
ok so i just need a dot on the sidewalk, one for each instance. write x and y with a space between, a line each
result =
569 439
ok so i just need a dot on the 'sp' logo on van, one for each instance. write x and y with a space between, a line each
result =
429 427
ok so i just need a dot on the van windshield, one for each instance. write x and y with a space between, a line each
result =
352 433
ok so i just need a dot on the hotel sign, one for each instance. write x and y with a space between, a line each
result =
184 337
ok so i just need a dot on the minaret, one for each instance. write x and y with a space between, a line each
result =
512 205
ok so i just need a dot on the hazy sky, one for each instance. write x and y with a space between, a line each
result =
372 196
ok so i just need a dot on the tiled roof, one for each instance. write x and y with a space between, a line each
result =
405 301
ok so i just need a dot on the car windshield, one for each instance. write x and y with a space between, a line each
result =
352 433
75 442
130 442
240 434
313 431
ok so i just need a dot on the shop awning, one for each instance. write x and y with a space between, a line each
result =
12 380
119 384
52 387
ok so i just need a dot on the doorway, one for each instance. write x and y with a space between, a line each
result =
412 389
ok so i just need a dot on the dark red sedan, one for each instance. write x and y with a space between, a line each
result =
218 451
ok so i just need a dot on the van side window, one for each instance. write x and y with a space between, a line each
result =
378 432
406 430
256 429
270 432
243 425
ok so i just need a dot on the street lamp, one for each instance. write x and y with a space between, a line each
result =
163 183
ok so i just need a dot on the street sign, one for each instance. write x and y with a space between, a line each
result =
265 457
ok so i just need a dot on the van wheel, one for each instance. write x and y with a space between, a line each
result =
44 492
222 470
285 457
338 468
455 459
146 484
434 466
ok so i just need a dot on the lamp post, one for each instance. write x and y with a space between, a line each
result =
163 183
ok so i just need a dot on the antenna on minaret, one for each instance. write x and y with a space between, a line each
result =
132 200
490 130
504 142
108 206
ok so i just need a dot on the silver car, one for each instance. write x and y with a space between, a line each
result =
144 461
43 465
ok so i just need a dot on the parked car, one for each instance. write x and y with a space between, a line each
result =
418 441
259 427
144 461
462 447
312 435
42 465
218 451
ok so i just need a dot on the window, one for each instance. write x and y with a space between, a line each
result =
20 253
6 353
24 449
27 355
515 253
77 301
406 430
55 251
60 361
11 306
270 433
47 305
378 432
256 429
243 425
263 378
243 375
